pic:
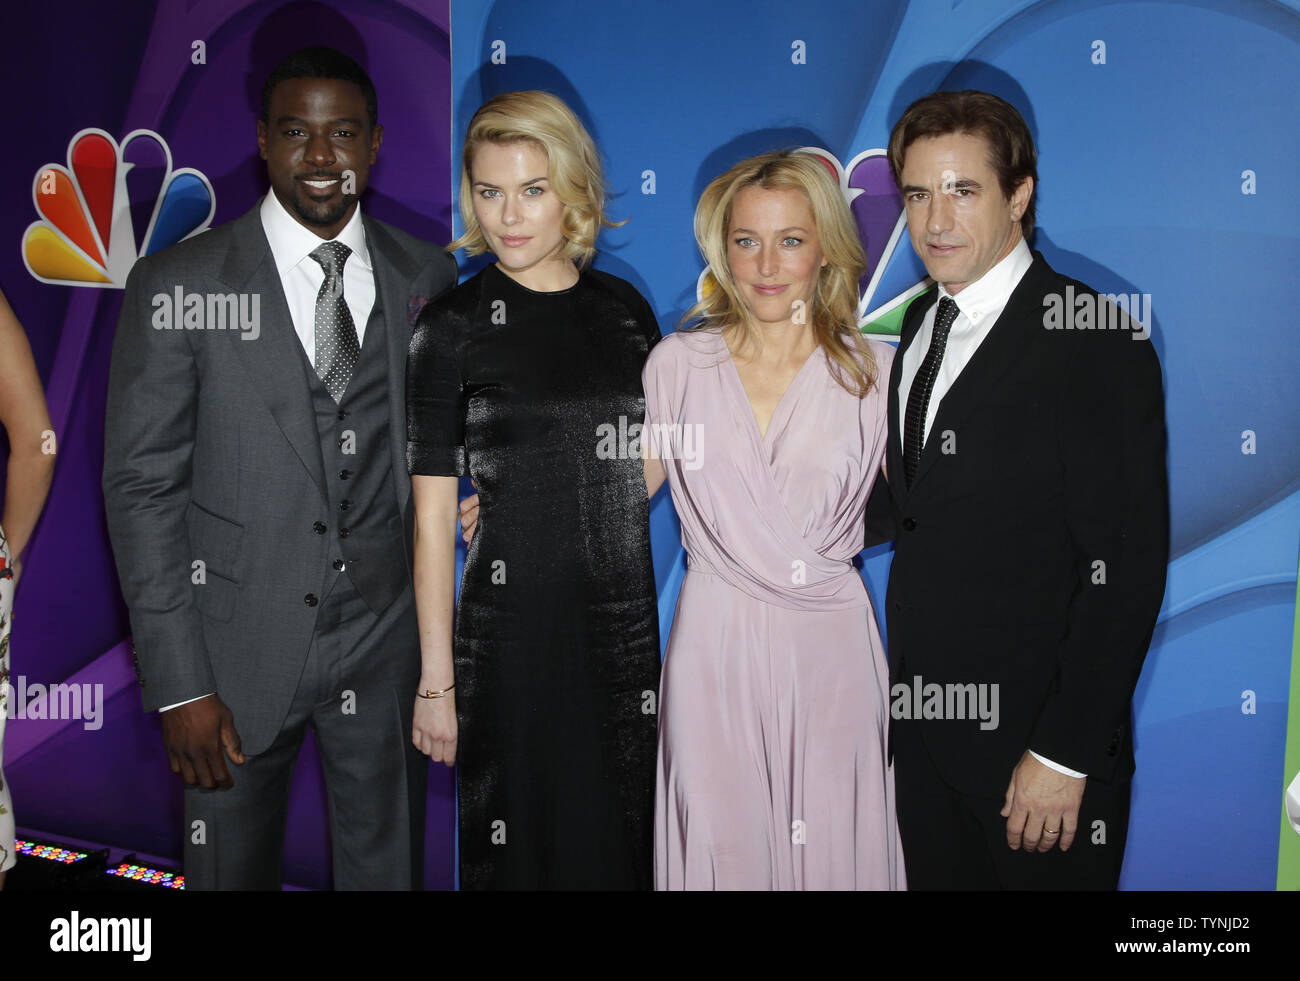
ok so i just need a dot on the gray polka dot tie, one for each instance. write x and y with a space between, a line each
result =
337 350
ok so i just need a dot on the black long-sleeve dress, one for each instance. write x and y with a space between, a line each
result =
556 641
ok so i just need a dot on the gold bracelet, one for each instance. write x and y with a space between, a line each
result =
435 694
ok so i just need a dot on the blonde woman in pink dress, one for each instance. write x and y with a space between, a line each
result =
769 423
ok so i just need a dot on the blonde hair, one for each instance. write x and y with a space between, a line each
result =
573 167
835 302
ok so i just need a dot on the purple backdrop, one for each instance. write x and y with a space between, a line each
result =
123 67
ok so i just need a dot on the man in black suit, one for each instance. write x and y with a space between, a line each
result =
1026 466
259 503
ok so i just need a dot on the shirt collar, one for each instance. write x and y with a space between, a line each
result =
291 242
989 293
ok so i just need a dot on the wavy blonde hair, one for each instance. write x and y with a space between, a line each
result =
835 302
573 167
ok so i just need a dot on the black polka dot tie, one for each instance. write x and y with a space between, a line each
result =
337 350
918 396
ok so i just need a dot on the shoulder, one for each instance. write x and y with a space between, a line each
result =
620 289
426 258
454 310
681 350
204 251
630 299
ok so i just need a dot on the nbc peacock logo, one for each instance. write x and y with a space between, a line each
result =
111 204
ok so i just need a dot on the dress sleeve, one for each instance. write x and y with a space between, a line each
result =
435 410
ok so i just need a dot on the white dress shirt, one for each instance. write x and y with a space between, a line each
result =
978 307
302 277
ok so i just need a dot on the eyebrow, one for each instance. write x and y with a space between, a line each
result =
285 120
962 183
526 183
782 231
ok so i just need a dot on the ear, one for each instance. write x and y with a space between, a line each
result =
376 140
1020 197
261 139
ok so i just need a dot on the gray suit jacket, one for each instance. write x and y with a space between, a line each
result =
212 455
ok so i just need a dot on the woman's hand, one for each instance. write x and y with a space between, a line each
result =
434 730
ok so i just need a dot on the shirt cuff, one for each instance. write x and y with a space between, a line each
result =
187 701
1055 766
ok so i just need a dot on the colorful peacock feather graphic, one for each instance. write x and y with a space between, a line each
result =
111 205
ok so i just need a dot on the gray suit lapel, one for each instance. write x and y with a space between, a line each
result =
394 271
274 360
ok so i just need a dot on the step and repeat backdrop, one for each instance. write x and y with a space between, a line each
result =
1167 143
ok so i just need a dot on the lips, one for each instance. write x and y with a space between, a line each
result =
319 185
768 289
515 241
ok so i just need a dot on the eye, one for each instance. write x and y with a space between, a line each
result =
916 196
745 242
791 242
488 193
345 134
528 191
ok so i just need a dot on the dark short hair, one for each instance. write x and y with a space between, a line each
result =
321 62
1011 147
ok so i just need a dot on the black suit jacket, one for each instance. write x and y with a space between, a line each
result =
1033 541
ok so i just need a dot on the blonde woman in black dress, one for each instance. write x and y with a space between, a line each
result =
524 377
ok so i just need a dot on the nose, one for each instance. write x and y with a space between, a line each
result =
319 151
938 218
510 210
768 260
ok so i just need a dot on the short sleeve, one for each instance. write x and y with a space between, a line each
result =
435 412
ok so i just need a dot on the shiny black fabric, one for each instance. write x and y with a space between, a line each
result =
557 643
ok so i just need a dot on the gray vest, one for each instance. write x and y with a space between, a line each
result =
365 532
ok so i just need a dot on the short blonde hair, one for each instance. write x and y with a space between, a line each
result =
573 167
835 302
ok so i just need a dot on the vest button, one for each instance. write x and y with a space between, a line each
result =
344 474
338 565
318 527
344 532
344 504
909 524
342 414
310 599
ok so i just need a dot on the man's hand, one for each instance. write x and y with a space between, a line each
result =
195 735
468 517
434 730
1042 806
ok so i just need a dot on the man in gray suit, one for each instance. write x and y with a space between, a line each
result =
259 503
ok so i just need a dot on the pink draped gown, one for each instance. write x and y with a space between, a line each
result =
772 770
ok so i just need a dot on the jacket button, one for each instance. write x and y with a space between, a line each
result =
909 524
338 565
344 532
344 504
342 414
344 474
318 527
897 606
310 599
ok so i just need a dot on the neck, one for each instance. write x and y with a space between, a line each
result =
548 277
780 344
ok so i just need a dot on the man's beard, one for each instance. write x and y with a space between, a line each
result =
321 213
